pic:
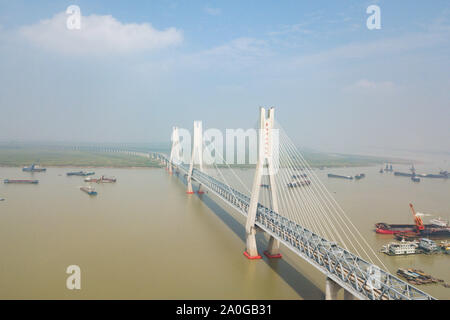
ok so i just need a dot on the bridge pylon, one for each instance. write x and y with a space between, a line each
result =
174 151
265 155
197 156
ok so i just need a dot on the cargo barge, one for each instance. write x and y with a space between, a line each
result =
80 173
331 175
89 190
34 168
438 228
418 277
403 174
102 179
21 181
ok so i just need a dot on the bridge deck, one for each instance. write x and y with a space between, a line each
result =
359 277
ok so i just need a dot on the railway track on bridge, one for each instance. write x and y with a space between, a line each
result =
359 277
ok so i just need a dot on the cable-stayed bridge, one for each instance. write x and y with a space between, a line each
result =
288 202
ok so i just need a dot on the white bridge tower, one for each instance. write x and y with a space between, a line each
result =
197 156
266 151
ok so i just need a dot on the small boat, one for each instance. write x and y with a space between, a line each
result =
34 168
2 199
89 190
360 176
331 175
21 181
299 176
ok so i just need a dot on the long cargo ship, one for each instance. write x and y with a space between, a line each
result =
34 168
411 229
331 175
80 173
435 176
21 181
441 175
438 228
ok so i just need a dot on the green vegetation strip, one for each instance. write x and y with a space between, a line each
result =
75 158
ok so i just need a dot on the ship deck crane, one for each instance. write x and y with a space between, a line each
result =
418 221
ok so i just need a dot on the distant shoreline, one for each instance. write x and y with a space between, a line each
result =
72 166
21 156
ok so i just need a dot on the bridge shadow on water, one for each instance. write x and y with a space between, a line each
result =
302 285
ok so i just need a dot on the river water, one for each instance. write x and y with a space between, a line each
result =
144 238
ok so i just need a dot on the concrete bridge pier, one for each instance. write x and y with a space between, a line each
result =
189 186
332 289
273 248
251 251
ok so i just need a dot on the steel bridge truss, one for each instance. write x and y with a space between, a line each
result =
362 279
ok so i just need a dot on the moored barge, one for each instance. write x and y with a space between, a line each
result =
21 181
419 229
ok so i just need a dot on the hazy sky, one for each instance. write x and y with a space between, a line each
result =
137 68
